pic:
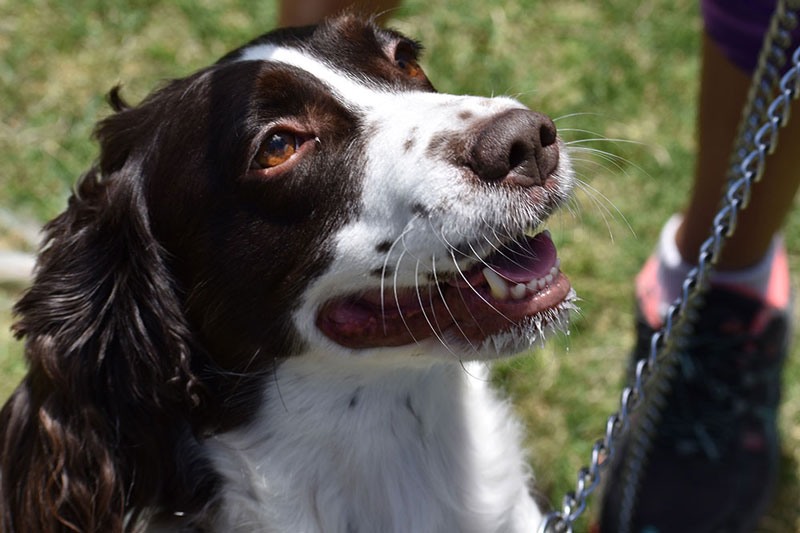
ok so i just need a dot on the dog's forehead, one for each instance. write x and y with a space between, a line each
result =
350 56
347 87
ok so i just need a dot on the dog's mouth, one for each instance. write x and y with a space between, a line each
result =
519 284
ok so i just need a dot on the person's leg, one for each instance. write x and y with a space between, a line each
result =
747 258
723 92
305 12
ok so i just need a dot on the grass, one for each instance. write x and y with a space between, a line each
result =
626 69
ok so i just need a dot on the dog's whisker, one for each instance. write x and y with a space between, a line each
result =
604 212
615 159
479 294
592 161
581 163
578 114
500 252
482 260
377 16
425 315
448 246
433 315
602 155
245 372
611 158
406 229
500 242
574 208
454 249
463 300
446 306
520 94
503 235
596 134
592 192
277 384
236 374
604 139
403 240
481 242
397 297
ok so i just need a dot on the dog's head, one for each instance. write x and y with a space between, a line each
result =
308 193
317 194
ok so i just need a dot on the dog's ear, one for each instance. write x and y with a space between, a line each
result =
110 381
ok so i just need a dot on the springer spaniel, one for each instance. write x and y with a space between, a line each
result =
269 305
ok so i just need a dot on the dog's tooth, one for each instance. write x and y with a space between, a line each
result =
496 284
541 283
553 271
548 279
533 285
557 264
518 291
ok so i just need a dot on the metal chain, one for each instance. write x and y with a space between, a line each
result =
757 137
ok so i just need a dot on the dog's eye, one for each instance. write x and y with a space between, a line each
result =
277 149
405 59
409 66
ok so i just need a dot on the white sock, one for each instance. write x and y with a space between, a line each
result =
672 268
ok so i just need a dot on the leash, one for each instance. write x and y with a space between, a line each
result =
757 137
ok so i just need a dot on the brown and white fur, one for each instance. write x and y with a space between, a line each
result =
203 335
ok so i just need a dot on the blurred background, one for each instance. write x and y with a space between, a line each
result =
620 77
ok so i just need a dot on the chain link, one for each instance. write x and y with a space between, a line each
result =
757 137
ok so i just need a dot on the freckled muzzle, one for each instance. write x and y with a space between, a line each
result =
519 281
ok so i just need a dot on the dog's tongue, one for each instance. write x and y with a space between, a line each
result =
526 259
519 262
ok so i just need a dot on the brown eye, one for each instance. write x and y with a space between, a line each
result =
277 149
410 67
406 61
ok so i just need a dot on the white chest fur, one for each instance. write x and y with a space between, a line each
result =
365 445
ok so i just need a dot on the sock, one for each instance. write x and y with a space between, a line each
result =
660 282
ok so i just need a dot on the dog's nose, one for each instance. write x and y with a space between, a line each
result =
518 146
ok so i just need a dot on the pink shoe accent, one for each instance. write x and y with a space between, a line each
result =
778 289
778 292
648 292
776 299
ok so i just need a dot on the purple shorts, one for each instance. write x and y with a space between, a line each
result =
738 27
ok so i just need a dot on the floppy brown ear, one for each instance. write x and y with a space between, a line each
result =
89 435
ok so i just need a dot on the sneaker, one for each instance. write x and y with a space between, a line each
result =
707 462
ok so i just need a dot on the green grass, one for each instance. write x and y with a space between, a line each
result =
628 67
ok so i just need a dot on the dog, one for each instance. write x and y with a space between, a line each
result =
270 303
